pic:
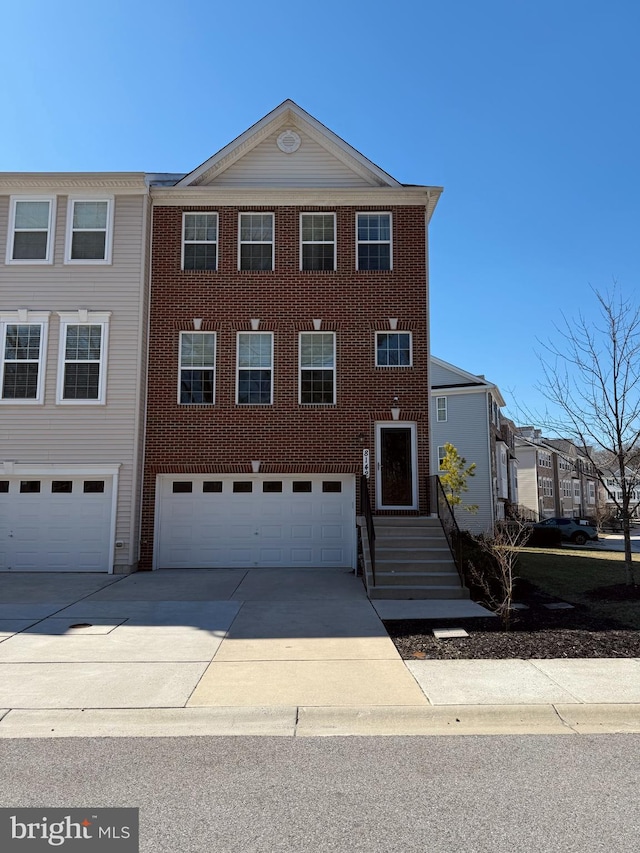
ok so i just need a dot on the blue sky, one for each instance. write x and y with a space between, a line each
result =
526 111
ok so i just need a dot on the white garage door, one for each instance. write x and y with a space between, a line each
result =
55 524
226 522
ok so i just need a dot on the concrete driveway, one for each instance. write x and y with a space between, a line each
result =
267 637
267 651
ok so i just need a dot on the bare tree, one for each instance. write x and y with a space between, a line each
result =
593 379
497 581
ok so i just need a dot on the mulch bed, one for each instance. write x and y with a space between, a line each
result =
534 633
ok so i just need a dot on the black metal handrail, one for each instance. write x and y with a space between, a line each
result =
365 509
438 502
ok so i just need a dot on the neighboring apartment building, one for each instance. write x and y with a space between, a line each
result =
611 492
465 411
72 322
288 351
556 479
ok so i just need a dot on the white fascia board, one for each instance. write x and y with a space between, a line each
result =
480 383
382 197
124 183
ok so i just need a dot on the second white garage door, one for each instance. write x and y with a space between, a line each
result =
300 521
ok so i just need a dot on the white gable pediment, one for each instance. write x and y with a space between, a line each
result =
288 147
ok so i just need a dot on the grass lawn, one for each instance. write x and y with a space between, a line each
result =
572 574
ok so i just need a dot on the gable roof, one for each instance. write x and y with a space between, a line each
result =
289 115
466 380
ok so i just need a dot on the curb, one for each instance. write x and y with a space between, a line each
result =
305 721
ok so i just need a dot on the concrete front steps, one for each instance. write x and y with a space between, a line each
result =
413 560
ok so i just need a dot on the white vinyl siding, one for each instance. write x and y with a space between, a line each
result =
89 235
310 165
467 428
89 434
30 232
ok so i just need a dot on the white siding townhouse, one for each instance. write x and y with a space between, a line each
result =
73 251
465 411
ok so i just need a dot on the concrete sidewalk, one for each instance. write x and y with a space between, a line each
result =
270 652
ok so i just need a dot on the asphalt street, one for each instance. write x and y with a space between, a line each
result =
250 795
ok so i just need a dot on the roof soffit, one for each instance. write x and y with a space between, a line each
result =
288 114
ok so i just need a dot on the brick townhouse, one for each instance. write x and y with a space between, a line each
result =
288 348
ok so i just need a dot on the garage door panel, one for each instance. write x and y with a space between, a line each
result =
55 531
245 529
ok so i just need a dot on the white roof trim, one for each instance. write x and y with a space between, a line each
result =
470 377
289 112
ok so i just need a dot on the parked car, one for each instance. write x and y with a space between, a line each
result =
572 529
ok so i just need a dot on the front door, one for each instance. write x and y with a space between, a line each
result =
396 469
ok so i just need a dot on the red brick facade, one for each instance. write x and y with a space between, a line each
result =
287 437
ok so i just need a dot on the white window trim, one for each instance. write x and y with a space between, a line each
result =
271 242
446 410
48 259
395 366
186 213
108 243
441 456
25 318
333 242
238 368
300 369
84 318
213 368
390 240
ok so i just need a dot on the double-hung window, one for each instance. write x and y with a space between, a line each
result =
89 231
393 349
318 367
197 367
82 370
23 336
441 409
31 222
318 241
256 241
200 241
255 368
373 236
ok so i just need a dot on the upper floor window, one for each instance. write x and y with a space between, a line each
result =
393 349
200 241
30 230
24 344
255 368
197 367
89 231
373 238
83 357
441 408
318 241
256 241
318 367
